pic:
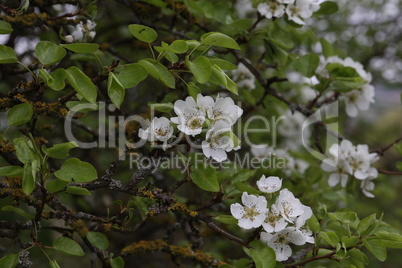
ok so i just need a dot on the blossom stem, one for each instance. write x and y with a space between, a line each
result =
386 148
314 258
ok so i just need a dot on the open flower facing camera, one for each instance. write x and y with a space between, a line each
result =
284 220
346 159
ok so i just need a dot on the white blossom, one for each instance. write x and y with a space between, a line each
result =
269 184
280 241
252 213
158 130
190 119
243 8
358 99
225 109
361 161
298 11
308 235
348 159
274 222
219 140
367 186
288 205
301 219
243 77
271 9
82 32
69 38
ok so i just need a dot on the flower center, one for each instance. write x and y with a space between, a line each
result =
272 218
250 212
161 131
194 123
281 239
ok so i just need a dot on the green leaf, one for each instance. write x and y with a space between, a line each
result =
53 264
117 262
201 68
115 90
245 188
77 190
158 71
375 246
243 175
61 150
205 178
5 27
24 150
219 40
56 185
390 240
327 8
82 47
223 64
357 258
131 75
274 54
7 55
83 106
313 224
28 179
143 33
68 246
242 24
161 107
45 76
18 211
263 257
329 237
231 86
327 48
366 225
227 219
178 46
349 241
20 114
49 53
59 75
97 239
280 36
82 84
9 261
218 77
343 216
75 170
193 90
11 171
307 64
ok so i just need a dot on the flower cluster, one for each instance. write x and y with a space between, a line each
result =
219 116
283 221
192 116
346 159
263 151
296 10
83 32
356 99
